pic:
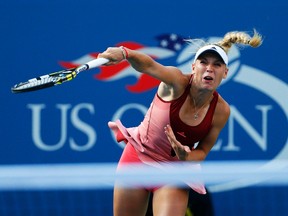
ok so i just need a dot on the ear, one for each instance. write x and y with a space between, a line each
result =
225 73
193 66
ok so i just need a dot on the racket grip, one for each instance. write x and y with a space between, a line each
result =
97 62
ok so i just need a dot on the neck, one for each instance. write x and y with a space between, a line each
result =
200 98
202 103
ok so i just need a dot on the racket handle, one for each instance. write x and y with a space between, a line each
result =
96 62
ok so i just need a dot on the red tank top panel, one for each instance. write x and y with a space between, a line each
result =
186 134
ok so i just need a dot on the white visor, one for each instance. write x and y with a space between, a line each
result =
213 48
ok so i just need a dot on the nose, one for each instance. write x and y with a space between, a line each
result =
209 68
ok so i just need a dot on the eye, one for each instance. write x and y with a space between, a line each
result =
218 63
203 61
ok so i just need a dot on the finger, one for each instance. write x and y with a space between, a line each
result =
169 131
113 58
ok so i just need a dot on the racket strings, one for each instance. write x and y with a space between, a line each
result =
52 79
56 78
36 82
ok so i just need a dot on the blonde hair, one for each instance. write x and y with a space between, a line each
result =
240 38
236 37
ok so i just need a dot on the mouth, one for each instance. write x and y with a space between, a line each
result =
208 78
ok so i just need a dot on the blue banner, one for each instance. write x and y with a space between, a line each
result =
68 123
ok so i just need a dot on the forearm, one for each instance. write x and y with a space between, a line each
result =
140 61
196 155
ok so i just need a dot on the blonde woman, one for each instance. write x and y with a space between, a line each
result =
185 110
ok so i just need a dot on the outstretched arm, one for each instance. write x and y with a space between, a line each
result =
143 63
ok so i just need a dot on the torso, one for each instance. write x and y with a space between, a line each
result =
186 129
149 137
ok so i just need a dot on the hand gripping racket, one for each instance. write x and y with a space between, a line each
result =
56 78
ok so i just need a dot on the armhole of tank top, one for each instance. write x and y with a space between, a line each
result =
214 101
216 95
187 87
159 98
191 78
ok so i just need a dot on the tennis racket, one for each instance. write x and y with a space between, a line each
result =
56 78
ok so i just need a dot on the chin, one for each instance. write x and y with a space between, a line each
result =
208 88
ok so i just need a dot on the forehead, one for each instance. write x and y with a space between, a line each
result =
211 54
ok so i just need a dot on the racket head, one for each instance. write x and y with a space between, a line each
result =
45 81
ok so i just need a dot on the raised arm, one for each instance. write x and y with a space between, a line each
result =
143 63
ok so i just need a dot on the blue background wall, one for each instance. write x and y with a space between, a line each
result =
37 35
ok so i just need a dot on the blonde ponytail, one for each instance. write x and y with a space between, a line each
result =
240 38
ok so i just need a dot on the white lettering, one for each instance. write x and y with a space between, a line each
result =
36 126
75 120
82 126
260 139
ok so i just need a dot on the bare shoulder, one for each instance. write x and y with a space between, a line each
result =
174 71
172 90
179 78
222 111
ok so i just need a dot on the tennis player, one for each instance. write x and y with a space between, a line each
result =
186 110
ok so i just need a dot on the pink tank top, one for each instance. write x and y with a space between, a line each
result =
150 141
149 138
186 134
